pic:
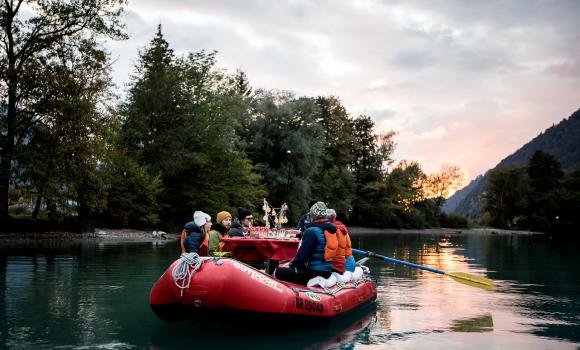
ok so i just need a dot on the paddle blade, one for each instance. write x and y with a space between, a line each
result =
471 280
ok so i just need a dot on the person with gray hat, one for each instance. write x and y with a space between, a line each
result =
314 256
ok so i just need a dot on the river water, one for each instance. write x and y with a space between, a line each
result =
95 296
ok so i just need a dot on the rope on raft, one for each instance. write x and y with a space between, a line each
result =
188 264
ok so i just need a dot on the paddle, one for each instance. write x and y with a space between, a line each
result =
461 277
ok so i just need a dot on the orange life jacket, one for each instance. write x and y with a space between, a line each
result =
223 247
346 243
344 249
331 246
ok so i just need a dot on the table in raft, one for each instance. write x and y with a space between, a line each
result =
256 251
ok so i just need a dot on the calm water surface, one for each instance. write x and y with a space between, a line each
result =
95 296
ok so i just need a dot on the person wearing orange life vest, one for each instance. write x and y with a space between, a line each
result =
343 260
316 251
218 231
194 237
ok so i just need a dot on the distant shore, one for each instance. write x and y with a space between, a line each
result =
454 231
100 235
130 235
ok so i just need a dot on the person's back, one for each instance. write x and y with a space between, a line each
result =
236 230
305 220
316 251
317 235
194 234
193 240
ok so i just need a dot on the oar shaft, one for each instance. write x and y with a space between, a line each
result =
362 252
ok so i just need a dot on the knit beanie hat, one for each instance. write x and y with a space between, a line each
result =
318 211
243 212
222 215
200 218
331 214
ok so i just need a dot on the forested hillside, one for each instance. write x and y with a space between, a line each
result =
562 141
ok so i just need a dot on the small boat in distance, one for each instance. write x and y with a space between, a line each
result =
227 290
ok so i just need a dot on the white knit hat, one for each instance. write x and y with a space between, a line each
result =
200 218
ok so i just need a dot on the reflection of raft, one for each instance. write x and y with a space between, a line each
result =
229 290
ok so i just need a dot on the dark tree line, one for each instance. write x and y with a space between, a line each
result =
188 136
538 196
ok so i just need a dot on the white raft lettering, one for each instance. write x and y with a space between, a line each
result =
255 275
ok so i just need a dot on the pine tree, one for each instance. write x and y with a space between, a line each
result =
154 115
180 123
333 182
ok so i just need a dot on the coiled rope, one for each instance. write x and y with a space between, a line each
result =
183 271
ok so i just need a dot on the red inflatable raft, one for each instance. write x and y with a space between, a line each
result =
228 290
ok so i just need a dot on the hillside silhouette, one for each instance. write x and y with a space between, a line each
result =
561 141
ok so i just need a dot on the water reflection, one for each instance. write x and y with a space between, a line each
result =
348 330
478 324
79 296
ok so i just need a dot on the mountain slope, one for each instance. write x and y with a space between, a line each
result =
561 141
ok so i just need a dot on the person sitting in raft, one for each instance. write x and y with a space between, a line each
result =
241 226
194 238
343 259
316 250
218 231
304 220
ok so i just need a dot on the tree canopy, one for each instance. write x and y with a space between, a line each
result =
189 136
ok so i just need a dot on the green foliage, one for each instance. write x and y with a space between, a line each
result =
567 218
544 172
537 197
368 156
132 192
190 136
333 181
454 221
53 68
561 141
544 193
281 123
366 160
180 123
505 195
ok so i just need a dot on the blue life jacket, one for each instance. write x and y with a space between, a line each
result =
316 261
194 237
350 263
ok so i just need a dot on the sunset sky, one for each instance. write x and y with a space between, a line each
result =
463 83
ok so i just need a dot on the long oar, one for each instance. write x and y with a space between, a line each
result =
461 277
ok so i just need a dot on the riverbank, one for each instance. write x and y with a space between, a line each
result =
130 235
100 235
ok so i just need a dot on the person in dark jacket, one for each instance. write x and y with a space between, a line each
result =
194 234
241 226
305 220
310 261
